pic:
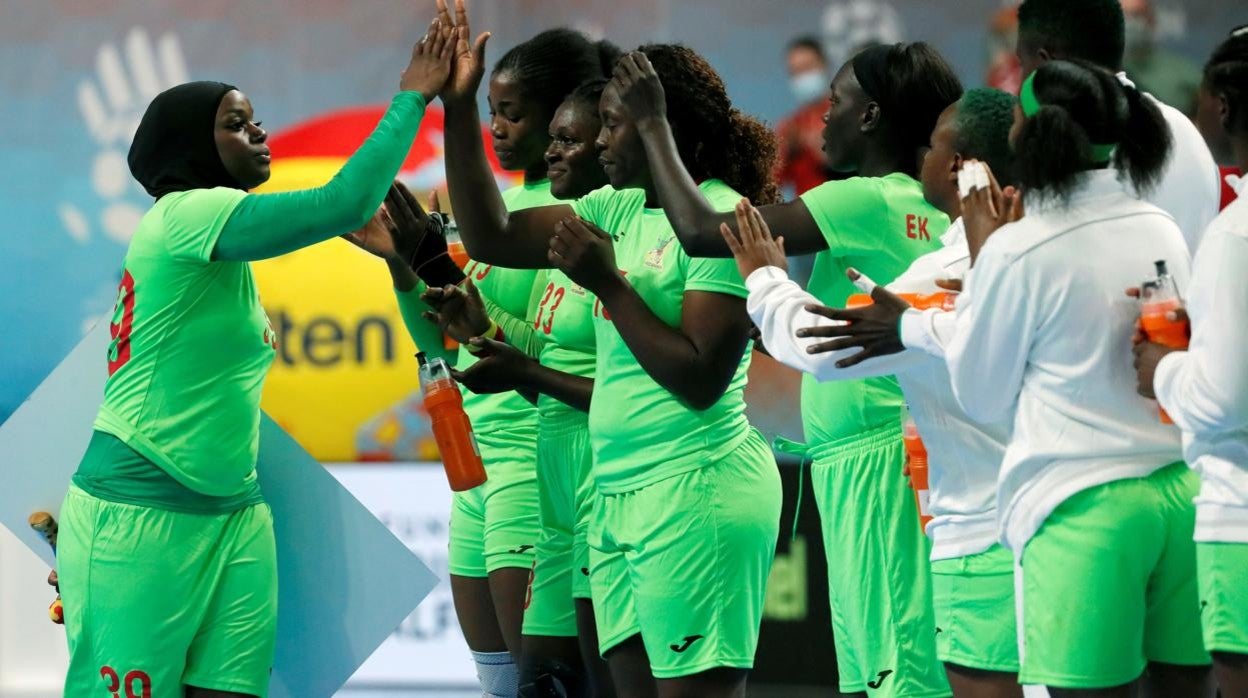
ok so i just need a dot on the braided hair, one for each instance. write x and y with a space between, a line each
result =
714 138
549 66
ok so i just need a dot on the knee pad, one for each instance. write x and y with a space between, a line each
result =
497 674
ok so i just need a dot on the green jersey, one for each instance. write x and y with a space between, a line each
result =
642 433
564 324
511 291
191 346
877 225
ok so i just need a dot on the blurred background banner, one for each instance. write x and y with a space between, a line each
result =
79 74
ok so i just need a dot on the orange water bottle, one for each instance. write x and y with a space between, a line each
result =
943 300
916 465
1157 298
454 244
451 427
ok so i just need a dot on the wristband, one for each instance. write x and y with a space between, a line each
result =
440 271
493 332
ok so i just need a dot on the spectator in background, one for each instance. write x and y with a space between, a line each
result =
1003 71
1211 110
1166 75
800 162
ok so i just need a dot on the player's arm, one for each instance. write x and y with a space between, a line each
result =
695 361
693 218
995 327
503 367
788 318
268 225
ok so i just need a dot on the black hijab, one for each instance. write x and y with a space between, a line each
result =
174 148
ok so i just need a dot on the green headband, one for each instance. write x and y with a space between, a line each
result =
1101 152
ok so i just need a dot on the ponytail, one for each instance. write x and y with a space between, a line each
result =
1076 114
1053 150
1145 143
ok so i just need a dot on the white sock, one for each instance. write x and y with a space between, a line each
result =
497 674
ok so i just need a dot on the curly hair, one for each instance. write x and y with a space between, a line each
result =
983 123
1082 104
715 139
549 66
1226 74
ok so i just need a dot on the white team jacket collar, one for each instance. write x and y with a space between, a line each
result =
955 234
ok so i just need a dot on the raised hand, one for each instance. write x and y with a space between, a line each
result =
1147 356
639 87
458 312
873 328
584 252
430 66
986 209
754 248
500 367
376 237
468 62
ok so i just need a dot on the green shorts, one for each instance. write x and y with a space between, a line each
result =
879 575
684 562
156 600
494 526
973 597
565 491
1107 584
1220 571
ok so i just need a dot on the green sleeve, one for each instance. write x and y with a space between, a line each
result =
848 213
194 220
519 332
425 334
268 225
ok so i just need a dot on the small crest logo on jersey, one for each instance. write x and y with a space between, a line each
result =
577 290
654 258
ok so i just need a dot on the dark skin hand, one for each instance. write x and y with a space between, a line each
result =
695 361
502 367
754 249
490 234
397 233
849 140
873 327
1149 354
984 211
458 312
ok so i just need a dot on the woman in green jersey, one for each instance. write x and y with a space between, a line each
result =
686 504
497 530
559 640
883 106
167 559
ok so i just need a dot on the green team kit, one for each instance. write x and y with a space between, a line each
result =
166 558
880 587
563 323
495 526
682 537
161 489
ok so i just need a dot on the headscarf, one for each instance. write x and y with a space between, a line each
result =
174 148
